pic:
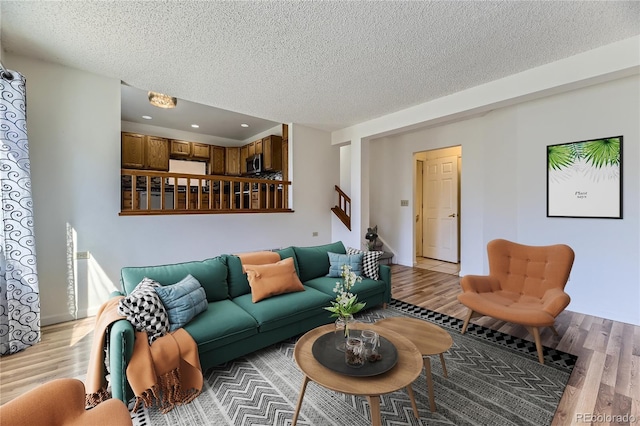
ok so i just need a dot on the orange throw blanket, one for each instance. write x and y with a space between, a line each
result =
168 371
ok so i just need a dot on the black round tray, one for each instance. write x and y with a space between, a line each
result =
325 352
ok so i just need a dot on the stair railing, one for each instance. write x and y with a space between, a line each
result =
343 208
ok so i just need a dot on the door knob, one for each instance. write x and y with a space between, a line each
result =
452 215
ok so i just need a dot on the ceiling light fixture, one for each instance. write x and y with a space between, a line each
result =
244 125
195 126
162 101
146 117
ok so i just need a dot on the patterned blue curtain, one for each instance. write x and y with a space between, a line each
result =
19 292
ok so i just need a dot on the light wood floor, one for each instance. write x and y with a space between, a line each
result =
605 382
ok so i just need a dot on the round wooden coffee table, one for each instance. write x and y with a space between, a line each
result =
405 372
430 340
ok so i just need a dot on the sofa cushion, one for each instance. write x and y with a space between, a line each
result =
258 257
210 273
313 262
272 279
289 252
224 322
183 301
370 262
237 279
285 309
337 261
363 289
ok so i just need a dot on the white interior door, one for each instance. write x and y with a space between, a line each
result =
418 206
440 199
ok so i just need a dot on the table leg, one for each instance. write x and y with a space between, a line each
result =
374 408
305 381
412 398
444 367
427 367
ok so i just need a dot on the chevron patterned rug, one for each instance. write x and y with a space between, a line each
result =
493 379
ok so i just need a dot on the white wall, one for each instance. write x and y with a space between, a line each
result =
504 189
74 140
345 168
277 130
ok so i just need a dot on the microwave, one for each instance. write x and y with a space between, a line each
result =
254 164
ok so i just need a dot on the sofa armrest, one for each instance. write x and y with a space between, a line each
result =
385 275
479 283
121 338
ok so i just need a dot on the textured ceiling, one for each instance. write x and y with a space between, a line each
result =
324 64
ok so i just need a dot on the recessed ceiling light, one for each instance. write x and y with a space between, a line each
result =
244 125
146 117
195 126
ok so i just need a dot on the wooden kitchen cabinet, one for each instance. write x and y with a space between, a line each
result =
132 146
128 202
272 153
285 160
256 199
266 199
204 201
180 200
200 151
144 152
216 165
251 149
193 201
191 150
244 153
232 161
157 153
258 145
180 148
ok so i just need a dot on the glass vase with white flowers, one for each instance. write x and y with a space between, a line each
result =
345 305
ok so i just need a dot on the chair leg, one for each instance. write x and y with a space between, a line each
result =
466 321
536 336
554 330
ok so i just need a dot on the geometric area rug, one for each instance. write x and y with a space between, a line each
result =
493 379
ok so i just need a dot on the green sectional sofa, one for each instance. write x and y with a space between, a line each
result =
233 325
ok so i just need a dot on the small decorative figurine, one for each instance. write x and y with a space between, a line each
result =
372 239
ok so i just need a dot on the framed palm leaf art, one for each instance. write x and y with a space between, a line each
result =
584 179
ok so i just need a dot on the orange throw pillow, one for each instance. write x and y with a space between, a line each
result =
258 257
272 279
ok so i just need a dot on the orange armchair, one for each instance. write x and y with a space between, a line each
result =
525 286
61 402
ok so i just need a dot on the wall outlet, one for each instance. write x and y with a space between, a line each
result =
83 255
314 234
404 203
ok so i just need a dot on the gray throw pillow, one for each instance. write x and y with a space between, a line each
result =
336 260
183 301
144 310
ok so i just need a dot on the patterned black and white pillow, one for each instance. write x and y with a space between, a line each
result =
144 310
370 262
